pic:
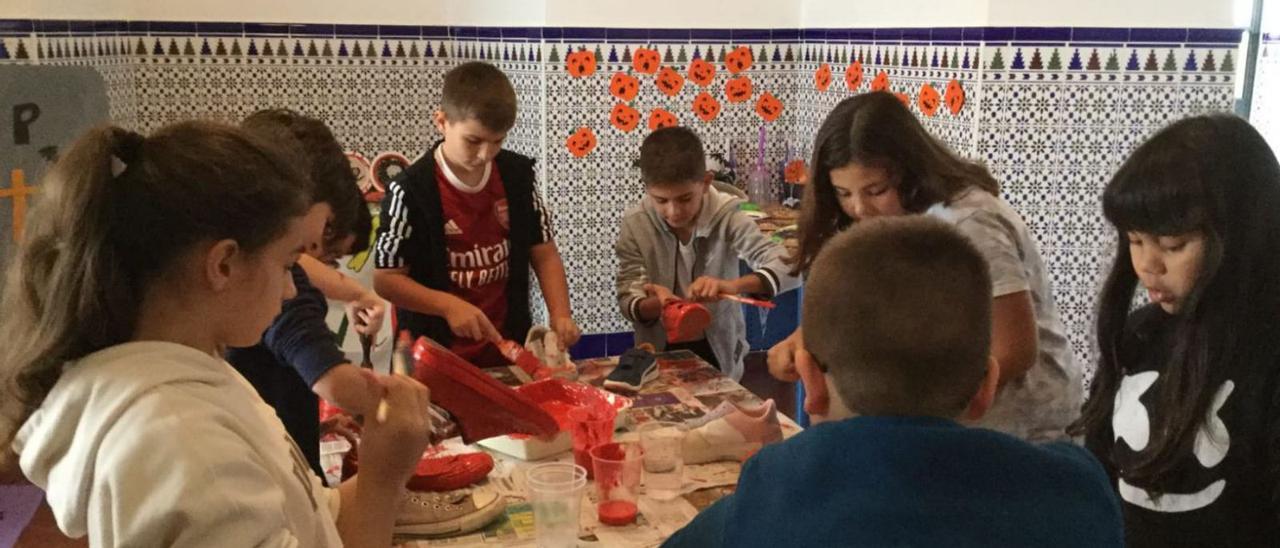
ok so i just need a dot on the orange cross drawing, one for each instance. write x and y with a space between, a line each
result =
18 191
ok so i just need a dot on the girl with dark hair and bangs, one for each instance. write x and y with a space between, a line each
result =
872 158
1184 409
145 258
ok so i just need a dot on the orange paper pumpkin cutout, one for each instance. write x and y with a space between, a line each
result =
881 82
624 117
738 60
796 172
580 63
624 86
853 76
661 118
701 72
955 96
902 97
669 81
929 100
822 78
706 107
738 89
582 142
646 60
768 107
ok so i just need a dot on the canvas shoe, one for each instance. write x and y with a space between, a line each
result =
737 434
446 514
450 472
635 368
684 321
482 406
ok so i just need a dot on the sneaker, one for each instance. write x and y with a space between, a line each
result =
545 344
450 472
684 321
482 406
635 368
737 434
447 514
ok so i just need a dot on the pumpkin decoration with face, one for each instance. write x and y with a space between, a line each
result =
646 60
768 107
738 89
706 107
661 118
902 98
955 97
669 81
881 82
738 60
582 142
929 100
853 76
624 117
701 72
624 86
796 172
581 63
822 78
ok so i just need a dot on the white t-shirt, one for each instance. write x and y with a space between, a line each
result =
1040 405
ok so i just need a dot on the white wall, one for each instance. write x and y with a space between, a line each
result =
660 13
894 13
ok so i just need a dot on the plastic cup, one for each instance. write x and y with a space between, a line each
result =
590 427
663 446
555 491
617 467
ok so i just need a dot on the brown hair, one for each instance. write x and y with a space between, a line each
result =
672 155
97 240
876 129
311 141
898 312
480 91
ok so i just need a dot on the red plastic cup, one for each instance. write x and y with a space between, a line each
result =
590 427
617 467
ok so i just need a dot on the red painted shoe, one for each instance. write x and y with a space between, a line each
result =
684 320
482 406
450 472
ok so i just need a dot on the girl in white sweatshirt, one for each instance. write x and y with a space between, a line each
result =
145 257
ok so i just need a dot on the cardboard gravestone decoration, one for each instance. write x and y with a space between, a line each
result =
42 110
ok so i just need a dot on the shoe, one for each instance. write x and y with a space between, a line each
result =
450 472
737 434
545 345
635 368
482 406
447 514
684 321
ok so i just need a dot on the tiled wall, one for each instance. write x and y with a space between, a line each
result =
1265 108
1051 110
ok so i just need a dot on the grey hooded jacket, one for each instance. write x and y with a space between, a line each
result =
646 251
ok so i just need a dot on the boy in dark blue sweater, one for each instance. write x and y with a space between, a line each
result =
897 330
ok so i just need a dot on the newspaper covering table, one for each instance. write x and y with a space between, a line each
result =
686 390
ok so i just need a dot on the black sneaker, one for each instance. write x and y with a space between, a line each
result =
635 368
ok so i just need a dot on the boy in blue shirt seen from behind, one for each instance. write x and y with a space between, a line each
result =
897 333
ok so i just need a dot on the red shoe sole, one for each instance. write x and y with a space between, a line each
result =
482 406
451 472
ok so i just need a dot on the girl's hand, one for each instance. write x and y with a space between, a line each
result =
782 358
390 449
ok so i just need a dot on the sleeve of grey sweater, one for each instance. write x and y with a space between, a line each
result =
764 255
632 274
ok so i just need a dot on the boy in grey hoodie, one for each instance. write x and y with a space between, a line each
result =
684 240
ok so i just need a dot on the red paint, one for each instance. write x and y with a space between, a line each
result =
520 356
616 512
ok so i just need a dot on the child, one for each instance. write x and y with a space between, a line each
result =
1184 410
684 240
145 258
897 326
873 158
298 357
461 226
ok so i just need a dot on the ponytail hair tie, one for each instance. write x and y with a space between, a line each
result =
126 149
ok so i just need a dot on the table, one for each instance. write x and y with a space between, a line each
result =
686 389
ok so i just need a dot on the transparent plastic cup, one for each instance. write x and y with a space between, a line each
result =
555 491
